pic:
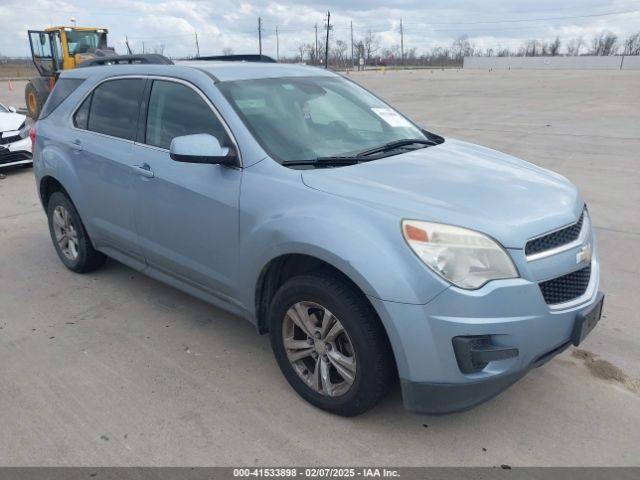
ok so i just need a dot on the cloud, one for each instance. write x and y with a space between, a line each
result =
231 24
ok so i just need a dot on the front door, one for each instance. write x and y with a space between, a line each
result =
186 213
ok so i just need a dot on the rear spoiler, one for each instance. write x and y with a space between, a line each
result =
149 59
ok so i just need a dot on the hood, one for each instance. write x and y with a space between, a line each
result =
462 184
11 121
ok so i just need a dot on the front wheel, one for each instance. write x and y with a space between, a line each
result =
330 344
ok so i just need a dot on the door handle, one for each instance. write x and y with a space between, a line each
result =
76 145
144 170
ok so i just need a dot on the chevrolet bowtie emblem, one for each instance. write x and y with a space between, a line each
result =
584 255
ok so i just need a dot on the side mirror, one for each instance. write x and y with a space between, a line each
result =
202 148
12 109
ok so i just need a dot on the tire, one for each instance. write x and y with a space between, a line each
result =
363 342
60 210
35 94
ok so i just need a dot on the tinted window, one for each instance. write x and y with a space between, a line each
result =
81 117
115 106
63 88
176 110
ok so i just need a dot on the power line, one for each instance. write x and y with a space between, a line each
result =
545 19
298 27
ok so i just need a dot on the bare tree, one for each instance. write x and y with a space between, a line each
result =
370 45
604 44
302 50
574 46
339 53
553 48
632 45
227 51
463 47
315 57
531 48
391 55
159 49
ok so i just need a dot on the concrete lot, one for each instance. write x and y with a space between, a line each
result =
113 368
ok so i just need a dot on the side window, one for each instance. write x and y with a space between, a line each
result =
115 106
81 118
176 110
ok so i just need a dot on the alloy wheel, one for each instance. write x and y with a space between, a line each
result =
319 349
65 232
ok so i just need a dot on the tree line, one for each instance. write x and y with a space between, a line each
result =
370 50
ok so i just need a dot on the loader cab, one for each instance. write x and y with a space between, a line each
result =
63 48
60 48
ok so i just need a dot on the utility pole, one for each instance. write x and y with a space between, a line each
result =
315 56
277 45
143 51
352 63
326 46
197 47
401 44
260 35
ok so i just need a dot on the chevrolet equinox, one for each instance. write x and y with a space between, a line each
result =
368 248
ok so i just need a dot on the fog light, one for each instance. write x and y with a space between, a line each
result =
475 352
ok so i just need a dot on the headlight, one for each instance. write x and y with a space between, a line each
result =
24 130
466 258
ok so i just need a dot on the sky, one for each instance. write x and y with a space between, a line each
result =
233 24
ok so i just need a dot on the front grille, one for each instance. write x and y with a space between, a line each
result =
6 140
567 287
555 239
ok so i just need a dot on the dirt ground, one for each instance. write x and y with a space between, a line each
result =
114 368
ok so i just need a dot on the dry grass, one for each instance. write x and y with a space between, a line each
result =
21 70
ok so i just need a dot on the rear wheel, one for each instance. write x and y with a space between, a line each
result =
330 344
69 236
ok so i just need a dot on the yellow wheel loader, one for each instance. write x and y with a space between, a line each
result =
60 48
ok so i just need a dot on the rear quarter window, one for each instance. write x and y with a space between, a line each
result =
81 117
62 89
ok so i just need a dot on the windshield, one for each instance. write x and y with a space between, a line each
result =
304 118
3 109
82 42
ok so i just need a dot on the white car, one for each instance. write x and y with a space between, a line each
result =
15 144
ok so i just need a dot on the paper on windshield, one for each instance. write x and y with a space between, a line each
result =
393 119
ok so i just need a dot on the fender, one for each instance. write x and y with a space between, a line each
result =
51 162
363 243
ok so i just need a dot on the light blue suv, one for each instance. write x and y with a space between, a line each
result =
368 248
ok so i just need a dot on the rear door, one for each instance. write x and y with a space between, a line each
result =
101 144
186 213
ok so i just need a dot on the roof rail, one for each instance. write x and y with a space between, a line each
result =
238 58
148 58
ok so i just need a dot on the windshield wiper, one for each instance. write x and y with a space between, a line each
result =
341 160
323 161
395 145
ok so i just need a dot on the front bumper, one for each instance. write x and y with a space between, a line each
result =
512 312
15 153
